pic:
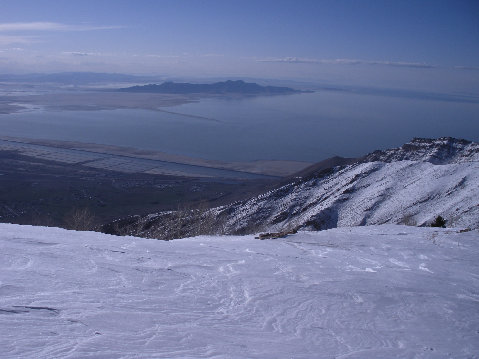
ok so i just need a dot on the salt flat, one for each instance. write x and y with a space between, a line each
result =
354 292
126 163
133 160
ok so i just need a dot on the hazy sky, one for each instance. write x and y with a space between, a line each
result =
401 43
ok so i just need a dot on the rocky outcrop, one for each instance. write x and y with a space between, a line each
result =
443 150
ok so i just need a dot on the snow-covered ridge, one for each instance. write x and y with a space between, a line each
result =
443 150
412 185
364 292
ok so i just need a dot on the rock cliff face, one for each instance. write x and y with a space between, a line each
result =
410 185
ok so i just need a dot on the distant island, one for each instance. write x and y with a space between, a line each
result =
224 87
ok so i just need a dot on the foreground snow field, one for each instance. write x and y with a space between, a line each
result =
362 292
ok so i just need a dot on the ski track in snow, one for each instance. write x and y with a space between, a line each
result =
360 292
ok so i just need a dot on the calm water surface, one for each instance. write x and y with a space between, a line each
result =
308 127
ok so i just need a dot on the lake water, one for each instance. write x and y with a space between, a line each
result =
307 127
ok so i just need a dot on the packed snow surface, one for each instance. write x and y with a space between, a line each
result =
362 292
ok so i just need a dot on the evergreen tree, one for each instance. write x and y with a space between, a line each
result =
439 222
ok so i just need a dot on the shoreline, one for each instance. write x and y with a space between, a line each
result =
98 100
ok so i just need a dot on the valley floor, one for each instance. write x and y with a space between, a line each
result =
45 192
360 292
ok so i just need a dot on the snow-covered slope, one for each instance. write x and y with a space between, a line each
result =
366 292
411 192
410 185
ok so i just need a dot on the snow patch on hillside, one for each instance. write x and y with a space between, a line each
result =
362 292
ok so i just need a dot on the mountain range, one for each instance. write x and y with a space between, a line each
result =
412 185
223 87
75 78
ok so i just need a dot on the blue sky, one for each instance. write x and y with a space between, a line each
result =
426 44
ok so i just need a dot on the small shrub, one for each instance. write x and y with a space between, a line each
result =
80 219
439 222
408 220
